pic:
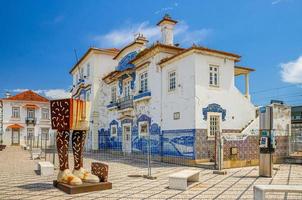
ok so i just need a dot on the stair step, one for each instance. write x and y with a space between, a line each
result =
206 165
293 160
249 123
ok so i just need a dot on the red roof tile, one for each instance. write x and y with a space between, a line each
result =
27 96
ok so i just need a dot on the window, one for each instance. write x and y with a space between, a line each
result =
143 129
30 113
144 82
30 133
214 76
16 112
81 73
88 70
113 131
214 125
45 134
45 113
88 95
176 115
113 94
127 89
172 81
76 79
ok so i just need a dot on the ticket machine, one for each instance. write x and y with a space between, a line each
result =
267 142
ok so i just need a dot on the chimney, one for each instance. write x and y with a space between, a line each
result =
142 40
7 94
166 27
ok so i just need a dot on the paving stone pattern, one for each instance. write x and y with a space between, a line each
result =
20 181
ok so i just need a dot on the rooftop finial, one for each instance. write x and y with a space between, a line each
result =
167 16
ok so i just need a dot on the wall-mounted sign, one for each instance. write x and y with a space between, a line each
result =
234 150
176 115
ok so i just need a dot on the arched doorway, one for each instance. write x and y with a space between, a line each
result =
15 136
15 133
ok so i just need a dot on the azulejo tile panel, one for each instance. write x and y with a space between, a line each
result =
214 107
179 143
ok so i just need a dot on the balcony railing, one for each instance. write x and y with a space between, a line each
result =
113 104
125 102
142 95
30 120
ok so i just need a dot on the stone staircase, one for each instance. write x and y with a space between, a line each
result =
251 128
295 158
206 164
247 125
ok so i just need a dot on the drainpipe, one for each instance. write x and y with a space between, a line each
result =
161 111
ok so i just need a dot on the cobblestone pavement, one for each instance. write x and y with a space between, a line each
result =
19 181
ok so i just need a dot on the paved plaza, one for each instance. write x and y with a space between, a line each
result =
20 181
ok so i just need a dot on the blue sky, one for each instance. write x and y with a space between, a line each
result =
38 38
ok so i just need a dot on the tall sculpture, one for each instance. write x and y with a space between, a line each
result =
70 115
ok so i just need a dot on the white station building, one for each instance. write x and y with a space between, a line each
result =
180 97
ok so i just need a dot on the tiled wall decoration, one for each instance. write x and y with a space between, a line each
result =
205 147
140 144
213 107
179 143
187 143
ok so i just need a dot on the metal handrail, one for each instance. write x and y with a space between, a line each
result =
125 102
30 120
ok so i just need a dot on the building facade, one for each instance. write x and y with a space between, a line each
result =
178 100
25 119
86 74
296 118
296 126
179 97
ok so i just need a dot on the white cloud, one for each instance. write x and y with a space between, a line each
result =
126 34
18 90
276 2
50 93
57 93
291 72
186 36
165 9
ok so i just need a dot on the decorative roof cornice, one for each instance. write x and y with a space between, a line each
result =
155 46
111 51
200 49
167 19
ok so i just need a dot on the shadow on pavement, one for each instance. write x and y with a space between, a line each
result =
36 186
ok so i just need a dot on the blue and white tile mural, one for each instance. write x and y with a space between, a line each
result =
108 142
178 143
140 144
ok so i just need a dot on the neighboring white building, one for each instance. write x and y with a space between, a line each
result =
25 116
86 74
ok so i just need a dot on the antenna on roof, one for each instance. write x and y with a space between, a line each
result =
76 55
